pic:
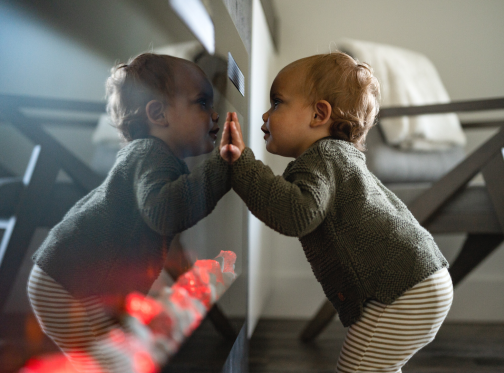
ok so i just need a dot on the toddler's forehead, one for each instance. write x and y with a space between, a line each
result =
293 77
298 65
184 70
189 76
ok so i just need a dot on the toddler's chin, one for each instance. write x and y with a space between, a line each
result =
209 148
201 151
270 148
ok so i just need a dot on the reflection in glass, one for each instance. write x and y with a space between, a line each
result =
201 267
110 247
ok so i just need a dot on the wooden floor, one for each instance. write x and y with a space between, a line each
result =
458 348
275 348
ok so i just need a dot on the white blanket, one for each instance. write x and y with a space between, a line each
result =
408 79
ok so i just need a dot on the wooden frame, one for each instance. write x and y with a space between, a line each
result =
488 159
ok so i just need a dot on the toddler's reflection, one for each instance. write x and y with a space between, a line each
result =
115 240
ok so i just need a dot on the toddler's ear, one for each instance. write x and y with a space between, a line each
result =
155 113
321 113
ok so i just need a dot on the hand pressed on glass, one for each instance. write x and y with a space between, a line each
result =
232 145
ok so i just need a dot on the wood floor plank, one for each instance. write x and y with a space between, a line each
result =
458 348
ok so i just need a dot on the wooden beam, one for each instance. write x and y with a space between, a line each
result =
451 107
431 200
66 122
13 102
493 173
484 124
318 323
39 179
81 174
475 249
4 224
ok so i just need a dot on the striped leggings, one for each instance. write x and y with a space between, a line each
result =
76 326
387 336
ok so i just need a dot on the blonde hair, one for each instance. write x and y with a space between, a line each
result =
131 86
350 88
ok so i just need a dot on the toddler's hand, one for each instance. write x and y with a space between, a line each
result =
232 144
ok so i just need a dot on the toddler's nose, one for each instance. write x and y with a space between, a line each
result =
265 117
215 117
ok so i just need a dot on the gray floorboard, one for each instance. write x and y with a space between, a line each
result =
458 348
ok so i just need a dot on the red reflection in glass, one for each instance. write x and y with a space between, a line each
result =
229 260
158 326
196 283
211 267
143 363
54 363
141 307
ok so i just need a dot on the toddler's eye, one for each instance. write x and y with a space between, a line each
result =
275 103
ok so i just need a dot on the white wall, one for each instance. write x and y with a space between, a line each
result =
464 40
263 58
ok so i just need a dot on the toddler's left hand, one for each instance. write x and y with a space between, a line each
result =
232 144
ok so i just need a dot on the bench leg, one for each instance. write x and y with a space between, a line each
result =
476 248
318 323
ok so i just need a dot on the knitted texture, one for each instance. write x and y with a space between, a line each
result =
114 240
361 240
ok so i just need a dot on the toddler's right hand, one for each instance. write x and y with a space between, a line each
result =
232 144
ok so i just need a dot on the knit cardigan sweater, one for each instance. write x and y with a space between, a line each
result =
361 241
114 240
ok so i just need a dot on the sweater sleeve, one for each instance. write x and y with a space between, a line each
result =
293 206
171 202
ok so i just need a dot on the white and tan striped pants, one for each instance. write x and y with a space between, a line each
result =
76 326
387 336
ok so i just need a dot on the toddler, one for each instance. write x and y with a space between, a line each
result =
115 239
380 269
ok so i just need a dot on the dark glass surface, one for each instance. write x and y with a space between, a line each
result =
223 330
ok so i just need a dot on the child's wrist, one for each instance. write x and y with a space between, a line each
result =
242 156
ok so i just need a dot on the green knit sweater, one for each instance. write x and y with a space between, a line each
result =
114 240
360 239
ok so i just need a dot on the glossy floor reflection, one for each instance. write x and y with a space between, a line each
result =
458 348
